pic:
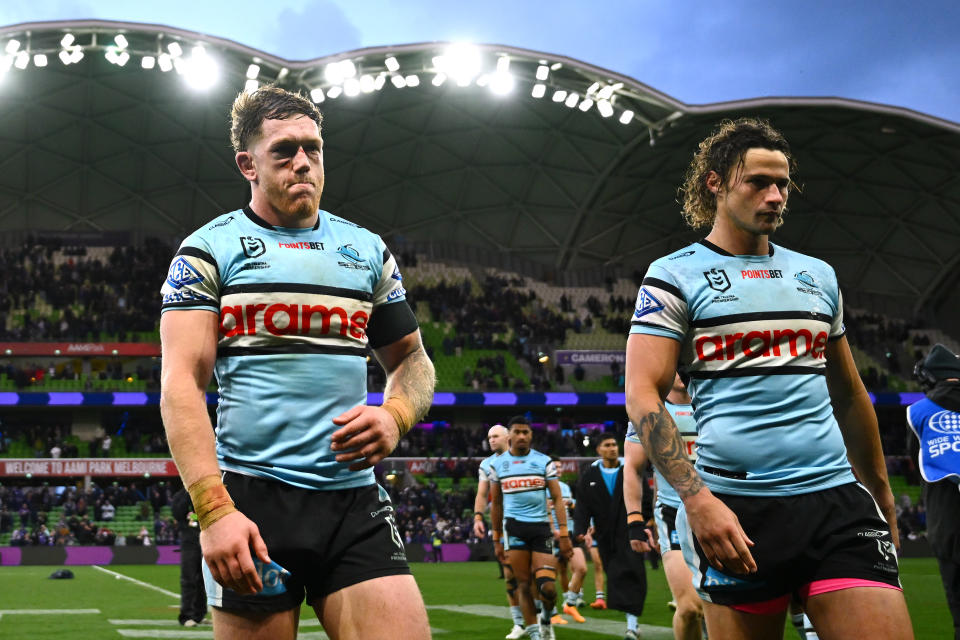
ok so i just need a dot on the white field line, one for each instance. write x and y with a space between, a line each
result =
120 576
47 612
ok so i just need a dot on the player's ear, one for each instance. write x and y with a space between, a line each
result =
714 182
244 161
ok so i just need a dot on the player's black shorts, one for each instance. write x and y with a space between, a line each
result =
805 544
327 540
535 537
666 518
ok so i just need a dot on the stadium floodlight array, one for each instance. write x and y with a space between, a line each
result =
204 61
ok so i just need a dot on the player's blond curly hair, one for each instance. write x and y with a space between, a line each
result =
721 151
266 103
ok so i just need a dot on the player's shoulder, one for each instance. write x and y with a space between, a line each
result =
216 231
801 261
538 457
343 227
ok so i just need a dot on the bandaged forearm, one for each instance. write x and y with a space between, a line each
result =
210 500
402 411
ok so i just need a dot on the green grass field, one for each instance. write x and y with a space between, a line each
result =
465 600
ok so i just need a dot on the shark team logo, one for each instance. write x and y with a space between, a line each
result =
646 303
181 274
253 247
717 279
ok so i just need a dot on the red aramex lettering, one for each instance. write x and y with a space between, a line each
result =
716 354
510 484
760 344
358 324
285 319
763 337
325 315
252 310
236 327
290 310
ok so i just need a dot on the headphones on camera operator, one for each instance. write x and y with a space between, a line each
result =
939 364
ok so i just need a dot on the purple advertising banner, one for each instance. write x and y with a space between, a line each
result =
591 357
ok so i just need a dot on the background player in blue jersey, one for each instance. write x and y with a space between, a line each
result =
281 301
571 581
519 483
688 615
498 439
935 421
772 507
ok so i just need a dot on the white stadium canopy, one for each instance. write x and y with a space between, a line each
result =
497 155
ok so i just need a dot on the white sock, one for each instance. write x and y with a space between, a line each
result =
517 614
632 622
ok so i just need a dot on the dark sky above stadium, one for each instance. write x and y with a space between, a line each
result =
888 51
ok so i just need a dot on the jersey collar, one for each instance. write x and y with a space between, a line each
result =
724 252
257 220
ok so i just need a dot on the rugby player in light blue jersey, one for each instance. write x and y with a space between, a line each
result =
772 508
688 615
519 482
498 439
577 564
280 300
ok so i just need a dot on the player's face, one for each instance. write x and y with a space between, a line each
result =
755 193
609 449
498 441
520 438
287 159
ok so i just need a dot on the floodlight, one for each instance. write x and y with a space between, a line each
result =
165 62
334 92
12 47
251 85
539 90
64 57
111 55
175 49
501 83
5 63
22 60
121 41
559 95
380 81
572 100
462 62
148 62
439 79
586 104
606 93
605 108
366 83
77 54
253 71
333 73
200 70
348 69
398 81
351 87
413 80
317 95
122 58
626 116
556 65
66 40
482 80
40 60
503 64
593 88
392 65
542 72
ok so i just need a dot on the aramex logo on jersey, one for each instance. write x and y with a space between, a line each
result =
760 344
523 482
290 319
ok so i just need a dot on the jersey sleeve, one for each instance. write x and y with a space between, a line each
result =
661 308
550 471
492 474
482 475
837 330
389 287
193 280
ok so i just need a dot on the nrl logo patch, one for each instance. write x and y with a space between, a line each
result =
253 247
717 279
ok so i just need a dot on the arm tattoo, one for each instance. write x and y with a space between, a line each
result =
414 379
667 452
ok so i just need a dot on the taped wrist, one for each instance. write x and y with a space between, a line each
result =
402 412
637 530
210 500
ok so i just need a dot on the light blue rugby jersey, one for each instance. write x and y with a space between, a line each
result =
683 417
484 467
568 503
294 305
753 333
523 484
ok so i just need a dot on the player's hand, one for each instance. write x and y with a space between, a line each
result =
479 529
226 548
884 499
498 549
588 537
368 435
642 544
566 547
723 540
654 539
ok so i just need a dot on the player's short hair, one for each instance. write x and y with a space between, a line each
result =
517 420
720 152
603 437
266 103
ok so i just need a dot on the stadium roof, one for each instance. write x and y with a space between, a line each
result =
569 172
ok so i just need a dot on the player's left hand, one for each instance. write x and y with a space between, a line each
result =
566 547
368 435
884 499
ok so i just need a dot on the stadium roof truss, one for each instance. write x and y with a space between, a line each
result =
487 153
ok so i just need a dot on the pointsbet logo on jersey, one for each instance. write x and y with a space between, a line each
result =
283 319
761 344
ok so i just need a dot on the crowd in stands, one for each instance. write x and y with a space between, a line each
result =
422 510
85 517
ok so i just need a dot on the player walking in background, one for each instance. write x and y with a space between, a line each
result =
498 439
519 482
688 615
280 301
772 507
574 570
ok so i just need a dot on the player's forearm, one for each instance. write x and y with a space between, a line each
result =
559 511
636 460
663 444
189 432
480 503
861 435
414 380
496 517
